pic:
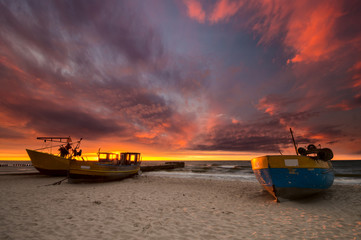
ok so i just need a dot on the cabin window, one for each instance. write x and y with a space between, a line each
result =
113 157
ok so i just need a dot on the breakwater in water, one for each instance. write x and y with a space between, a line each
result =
165 166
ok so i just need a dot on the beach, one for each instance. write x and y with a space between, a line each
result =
165 207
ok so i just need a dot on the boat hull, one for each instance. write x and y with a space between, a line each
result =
88 171
293 176
49 164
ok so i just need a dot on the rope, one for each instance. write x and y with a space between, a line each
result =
57 183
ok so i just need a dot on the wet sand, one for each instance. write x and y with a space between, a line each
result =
150 207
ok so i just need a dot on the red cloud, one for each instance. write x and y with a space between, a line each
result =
310 30
356 70
356 66
273 104
309 26
224 9
344 105
268 106
195 10
349 104
10 65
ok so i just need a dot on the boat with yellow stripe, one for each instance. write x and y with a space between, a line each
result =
110 166
295 176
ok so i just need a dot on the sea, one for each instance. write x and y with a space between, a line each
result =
346 171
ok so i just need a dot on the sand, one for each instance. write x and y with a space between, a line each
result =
151 207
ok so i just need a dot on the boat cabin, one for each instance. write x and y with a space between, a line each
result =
108 157
125 158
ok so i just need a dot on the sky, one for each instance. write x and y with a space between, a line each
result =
181 79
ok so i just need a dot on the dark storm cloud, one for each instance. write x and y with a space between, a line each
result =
52 118
56 27
6 133
264 136
36 31
294 118
132 101
85 67
331 132
345 27
269 133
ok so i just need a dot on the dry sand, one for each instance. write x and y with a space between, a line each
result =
150 207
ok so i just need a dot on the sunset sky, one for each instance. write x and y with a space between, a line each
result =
181 80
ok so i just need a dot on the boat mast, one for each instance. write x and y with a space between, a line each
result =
294 142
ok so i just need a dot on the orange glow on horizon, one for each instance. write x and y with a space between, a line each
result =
199 156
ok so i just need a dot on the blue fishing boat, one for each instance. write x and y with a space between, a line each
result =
295 176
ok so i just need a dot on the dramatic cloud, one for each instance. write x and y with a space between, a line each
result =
267 136
88 67
191 75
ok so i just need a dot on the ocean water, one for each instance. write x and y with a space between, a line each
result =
230 170
346 171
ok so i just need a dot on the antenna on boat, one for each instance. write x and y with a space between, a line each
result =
294 142
78 143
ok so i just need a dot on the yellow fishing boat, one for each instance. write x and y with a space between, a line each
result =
54 164
109 167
